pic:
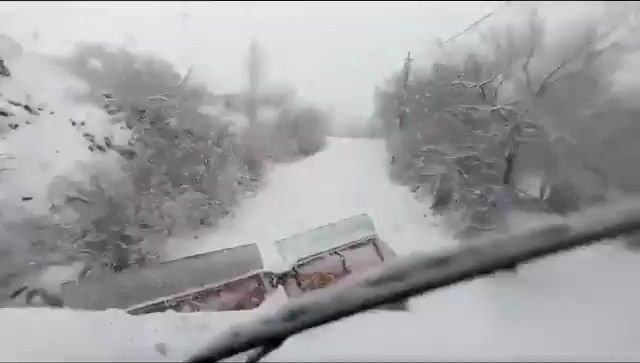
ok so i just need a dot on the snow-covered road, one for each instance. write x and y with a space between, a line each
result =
349 177
581 305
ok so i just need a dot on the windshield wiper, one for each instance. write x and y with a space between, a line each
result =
420 273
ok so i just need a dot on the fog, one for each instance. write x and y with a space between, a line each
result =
340 50
133 133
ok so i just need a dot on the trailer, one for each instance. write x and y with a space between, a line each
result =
225 279
235 278
330 254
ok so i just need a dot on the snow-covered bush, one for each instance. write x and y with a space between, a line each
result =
184 167
291 133
522 112
311 130
140 164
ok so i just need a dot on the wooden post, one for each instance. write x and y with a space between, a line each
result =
405 81
254 82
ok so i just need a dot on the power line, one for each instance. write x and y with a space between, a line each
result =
476 23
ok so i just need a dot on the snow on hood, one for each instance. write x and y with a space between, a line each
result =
524 317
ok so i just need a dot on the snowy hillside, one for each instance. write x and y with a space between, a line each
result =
574 306
44 143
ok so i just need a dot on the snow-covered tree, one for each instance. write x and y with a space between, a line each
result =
529 105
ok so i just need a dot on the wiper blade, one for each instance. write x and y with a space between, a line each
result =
414 275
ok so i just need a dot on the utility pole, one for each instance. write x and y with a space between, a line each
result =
405 81
254 82
407 69
402 112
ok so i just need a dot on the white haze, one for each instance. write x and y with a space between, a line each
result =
333 53
338 54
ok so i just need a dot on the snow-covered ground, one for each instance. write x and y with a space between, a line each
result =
580 305
348 178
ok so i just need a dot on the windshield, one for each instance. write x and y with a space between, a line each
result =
295 180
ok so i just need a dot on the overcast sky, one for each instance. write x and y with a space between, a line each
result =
333 53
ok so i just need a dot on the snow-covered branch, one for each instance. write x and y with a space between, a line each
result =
525 69
414 275
592 55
